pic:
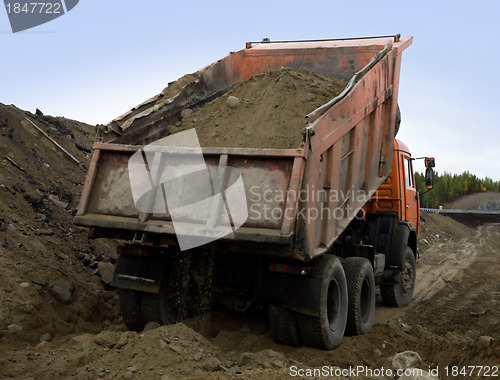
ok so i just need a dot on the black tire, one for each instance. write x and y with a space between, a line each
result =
361 293
284 326
165 307
173 304
170 304
150 308
400 294
130 307
326 330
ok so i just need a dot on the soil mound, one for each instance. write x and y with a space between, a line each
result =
40 187
266 111
437 227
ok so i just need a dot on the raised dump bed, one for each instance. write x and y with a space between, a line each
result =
301 192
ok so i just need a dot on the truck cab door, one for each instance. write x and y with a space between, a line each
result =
410 200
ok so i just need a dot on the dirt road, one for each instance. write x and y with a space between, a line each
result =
455 312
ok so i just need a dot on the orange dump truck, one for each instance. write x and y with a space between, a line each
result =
305 233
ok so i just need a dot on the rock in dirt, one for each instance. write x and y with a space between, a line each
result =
151 326
186 112
212 364
237 371
14 328
46 338
245 358
8 243
484 341
62 290
198 356
405 360
161 344
233 101
106 270
55 199
124 339
175 348
277 364
106 339
121 342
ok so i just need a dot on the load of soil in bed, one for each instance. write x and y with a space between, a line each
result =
266 111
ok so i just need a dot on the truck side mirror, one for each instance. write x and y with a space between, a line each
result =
430 162
429 178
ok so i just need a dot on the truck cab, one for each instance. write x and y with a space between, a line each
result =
398 194
393 216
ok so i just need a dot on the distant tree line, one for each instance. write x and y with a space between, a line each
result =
449 187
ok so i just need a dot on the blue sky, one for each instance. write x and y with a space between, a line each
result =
104 57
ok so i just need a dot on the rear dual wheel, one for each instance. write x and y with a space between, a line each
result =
326 330
361 291
346 305
139 308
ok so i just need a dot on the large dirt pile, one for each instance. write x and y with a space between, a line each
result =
440 228
40 187
266 111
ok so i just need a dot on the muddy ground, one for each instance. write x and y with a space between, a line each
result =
454 319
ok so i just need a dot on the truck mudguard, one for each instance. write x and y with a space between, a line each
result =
141 273
390 237
381 231
399 242
289 290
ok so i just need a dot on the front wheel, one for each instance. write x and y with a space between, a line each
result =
326 330
401 293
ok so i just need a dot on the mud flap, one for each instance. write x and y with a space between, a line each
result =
141 273
397 251
291 291
390 237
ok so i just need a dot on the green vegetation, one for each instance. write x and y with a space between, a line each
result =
449 187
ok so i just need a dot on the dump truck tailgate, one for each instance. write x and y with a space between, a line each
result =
108 203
